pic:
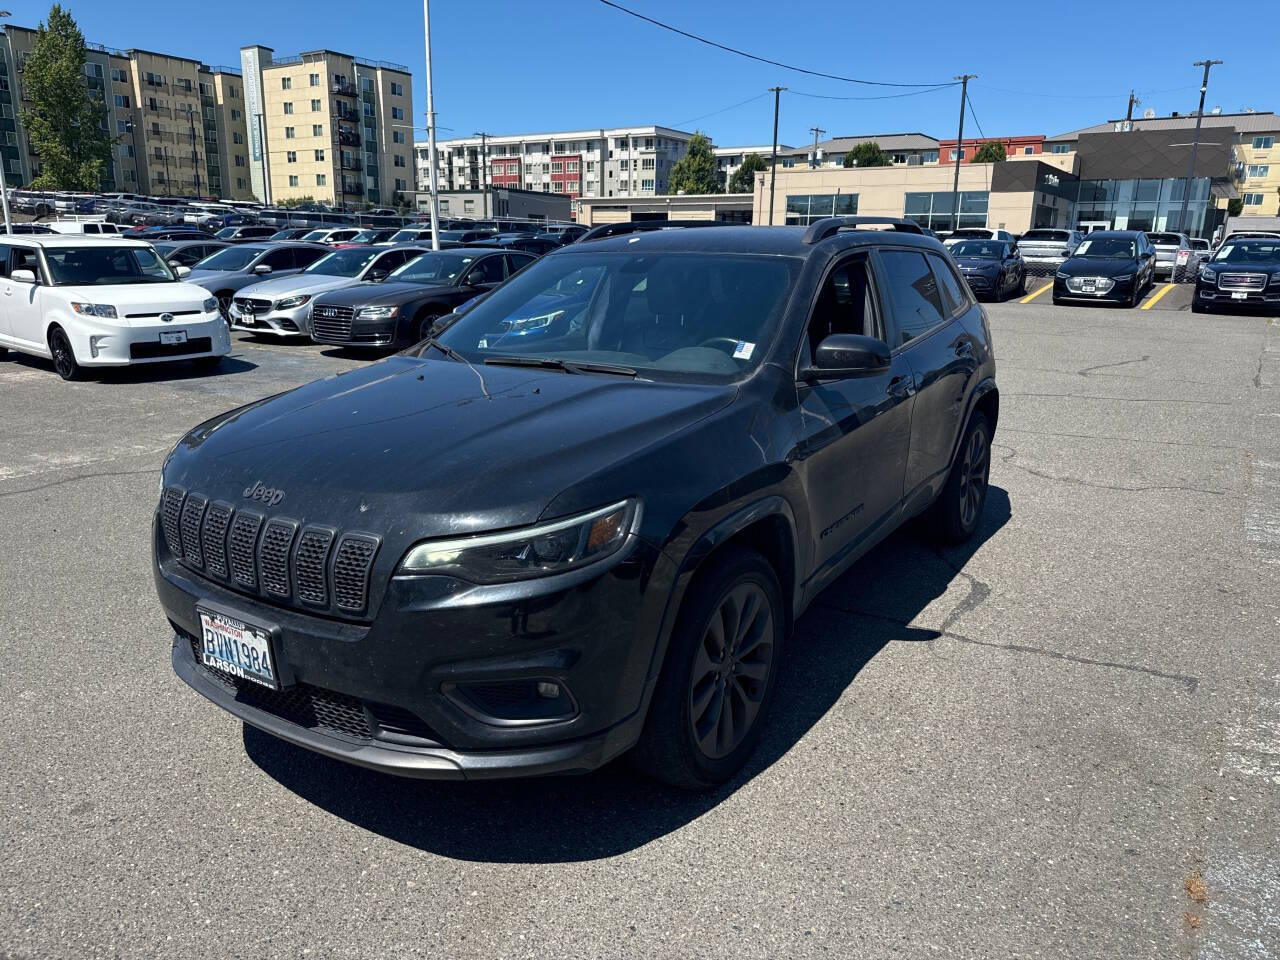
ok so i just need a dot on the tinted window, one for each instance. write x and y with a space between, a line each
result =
953 298
395 258
1060 236
917 306
488 270
279 259
515 261
1096 246
1170 239
846 304
104 265
4 261
1249 251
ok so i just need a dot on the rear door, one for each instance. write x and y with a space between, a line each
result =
927 301
6 292
22 299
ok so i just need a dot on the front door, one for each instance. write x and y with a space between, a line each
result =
856 430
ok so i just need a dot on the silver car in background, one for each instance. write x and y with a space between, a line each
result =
1173 250
1046 246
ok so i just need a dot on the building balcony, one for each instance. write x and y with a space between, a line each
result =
353 189
348 139
343 112
157 111
344 89
351 163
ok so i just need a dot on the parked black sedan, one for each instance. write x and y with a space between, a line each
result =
1113 266
401 309
992 268
1242 275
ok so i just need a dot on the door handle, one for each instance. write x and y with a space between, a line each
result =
901 386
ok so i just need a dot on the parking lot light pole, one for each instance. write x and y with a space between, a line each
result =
773 157
1195 143
431 131
4 187
955 183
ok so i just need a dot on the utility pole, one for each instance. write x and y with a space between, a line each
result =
813 162
484 169
195 156
773 159
4 189
431 131
167 191
1195 142
1128 116
955 183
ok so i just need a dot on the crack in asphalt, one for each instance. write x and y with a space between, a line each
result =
1094 436
78 477
1189 682
1008 461
1081 396
1119 363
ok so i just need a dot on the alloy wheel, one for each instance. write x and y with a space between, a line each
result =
973 477
64 361
731 670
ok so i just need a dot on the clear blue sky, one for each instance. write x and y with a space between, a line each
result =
507 66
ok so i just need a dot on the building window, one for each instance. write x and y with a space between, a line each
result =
286 83
646 163
398 160
557 167
953 154
591 166
397 113
288 107
119 76
317 130
235 114
288 133
240 161
397 89
623 165
397 136
321 180
571 166
293 180
1258 170
646 184
1253 199
933 210
402 184
1028 151
1263 143
314 79
290 156
122 101
320 156
571 186
237 138
1060 148
803 209
122 126
315 106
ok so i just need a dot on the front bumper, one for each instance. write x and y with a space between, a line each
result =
356 332
1266 299
281 323
1119 292
431 641
103 344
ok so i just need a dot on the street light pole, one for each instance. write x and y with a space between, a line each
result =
773 158
955 183
816 131
431 131
484 169
1195 143
195 156
4 187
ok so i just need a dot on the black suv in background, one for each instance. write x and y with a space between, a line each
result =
1242 275
583 519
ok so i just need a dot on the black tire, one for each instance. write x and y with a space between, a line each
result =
1057 301
422 325
958 509
64 358
4 353
685 741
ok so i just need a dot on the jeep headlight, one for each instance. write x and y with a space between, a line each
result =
376 313
95 310
210 305
289 303
538 551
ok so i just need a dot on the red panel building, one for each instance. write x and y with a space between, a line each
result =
566 174
505 172
1013 146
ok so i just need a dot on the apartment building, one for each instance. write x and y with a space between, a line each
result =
906 149
729 159
1030 145
329 126
226 132
162 112
603 162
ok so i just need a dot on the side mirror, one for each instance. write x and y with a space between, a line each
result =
846 355
262 268
182 271
376 276
23 276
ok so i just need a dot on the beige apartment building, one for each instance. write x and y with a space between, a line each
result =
337 129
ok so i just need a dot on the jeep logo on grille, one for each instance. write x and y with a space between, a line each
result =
268 495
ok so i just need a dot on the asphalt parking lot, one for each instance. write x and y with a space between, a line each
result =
1060 740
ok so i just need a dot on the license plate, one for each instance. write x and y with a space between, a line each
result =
173 336
1239 295
237 648
1088 287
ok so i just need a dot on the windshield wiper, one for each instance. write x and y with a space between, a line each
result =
555 363
453 354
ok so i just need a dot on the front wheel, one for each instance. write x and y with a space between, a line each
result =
64 358
959 507
425 323
718 679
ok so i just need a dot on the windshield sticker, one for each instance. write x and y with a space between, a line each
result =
743 350
483 344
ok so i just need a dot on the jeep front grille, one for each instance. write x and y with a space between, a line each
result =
276 558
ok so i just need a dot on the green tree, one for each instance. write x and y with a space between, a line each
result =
1234 207
290 202
695 172
992 151
744 178
66 125
867 154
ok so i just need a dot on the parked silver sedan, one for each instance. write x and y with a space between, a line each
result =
1173 250
1048 247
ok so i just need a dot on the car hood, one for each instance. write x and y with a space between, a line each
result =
280 287
1098 266
221 279
388 291
1223 267
410 447
977 264
142 299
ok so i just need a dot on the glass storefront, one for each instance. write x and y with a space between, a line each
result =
804 208
1145 204
933 210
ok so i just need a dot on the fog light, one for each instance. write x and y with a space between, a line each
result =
547 690
94 341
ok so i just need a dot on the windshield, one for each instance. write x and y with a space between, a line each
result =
343 263
706 314
366 236
283 235
1060 236
1165 239
226 233
1249 251
315 235
99 265
434 268
1117 247
971 235
232 258
407 236
985 249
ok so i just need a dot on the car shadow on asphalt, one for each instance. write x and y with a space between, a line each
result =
614 810
168 372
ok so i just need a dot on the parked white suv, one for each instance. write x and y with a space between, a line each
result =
978 233
102 303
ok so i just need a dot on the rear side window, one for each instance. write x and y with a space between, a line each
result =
953 298
917 306
4 260
516 261
279 259
488 270
305 256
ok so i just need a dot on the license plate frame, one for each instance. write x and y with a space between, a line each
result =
171 338
1239 295
237 647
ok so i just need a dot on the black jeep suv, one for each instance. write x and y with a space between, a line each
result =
582 520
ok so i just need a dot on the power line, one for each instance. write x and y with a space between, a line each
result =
885 96
974 115
732 106
752 56
1081 96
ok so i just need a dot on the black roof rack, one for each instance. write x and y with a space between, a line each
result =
641 226
829 226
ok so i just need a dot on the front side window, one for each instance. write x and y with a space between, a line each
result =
846 305
342 263
662 314
489 270
229 258
101 265
917 305
435 267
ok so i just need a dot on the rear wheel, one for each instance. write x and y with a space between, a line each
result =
64 358
718 679
959 507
